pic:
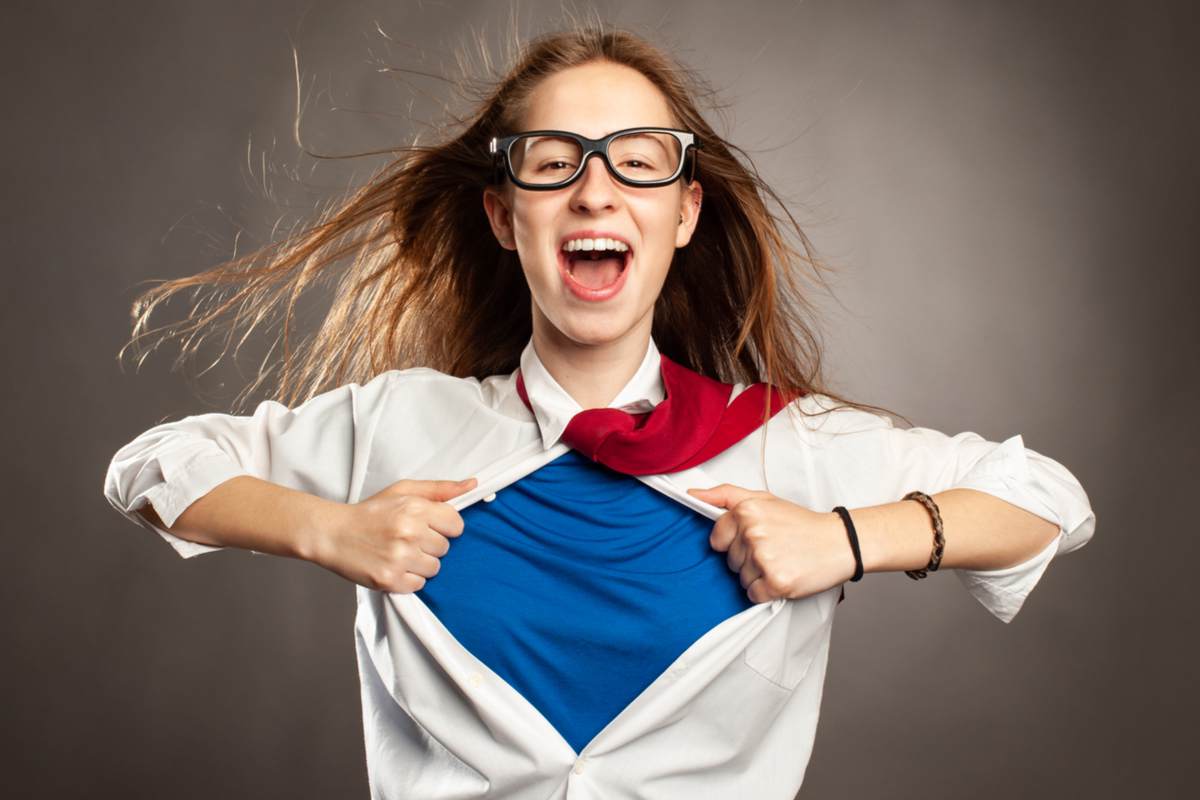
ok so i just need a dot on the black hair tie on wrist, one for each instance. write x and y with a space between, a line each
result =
858 565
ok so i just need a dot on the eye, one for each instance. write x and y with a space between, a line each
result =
637 163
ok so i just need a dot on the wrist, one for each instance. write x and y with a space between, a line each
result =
893 537
873 540
324 523
841 532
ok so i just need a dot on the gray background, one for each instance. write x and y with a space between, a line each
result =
1009 189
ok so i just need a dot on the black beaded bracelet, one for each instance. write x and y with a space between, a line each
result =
853 534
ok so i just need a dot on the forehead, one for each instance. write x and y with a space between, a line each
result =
595 100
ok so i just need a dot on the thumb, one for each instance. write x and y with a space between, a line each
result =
430 490
725 495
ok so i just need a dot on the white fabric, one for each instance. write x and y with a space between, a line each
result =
734 716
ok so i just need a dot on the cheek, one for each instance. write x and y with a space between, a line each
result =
533 232
657 217
657 223
532 219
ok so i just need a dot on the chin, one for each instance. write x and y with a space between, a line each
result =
594 333
591 329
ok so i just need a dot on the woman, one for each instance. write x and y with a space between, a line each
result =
641 605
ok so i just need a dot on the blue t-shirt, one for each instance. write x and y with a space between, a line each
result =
579 586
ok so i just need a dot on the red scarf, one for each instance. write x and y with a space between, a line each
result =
695 422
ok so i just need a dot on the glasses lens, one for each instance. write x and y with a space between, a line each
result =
640 157
645 156
544 159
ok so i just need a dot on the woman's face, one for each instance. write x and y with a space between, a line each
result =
594 100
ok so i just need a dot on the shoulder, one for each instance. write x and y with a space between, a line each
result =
819 417
418 389
397 385
816 419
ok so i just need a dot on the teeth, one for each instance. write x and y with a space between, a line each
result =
595 244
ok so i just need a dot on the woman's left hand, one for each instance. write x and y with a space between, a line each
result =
778 548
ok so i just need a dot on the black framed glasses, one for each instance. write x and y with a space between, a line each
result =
543 160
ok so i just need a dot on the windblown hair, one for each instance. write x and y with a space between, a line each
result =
418 278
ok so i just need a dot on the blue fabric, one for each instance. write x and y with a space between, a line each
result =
579 586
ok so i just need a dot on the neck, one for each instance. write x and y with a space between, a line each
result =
593 374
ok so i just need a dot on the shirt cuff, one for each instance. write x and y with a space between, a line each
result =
181 485
1040 486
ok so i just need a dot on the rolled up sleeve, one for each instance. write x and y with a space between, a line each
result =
309 448
879 463
1041 486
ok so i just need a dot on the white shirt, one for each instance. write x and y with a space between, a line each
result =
735 714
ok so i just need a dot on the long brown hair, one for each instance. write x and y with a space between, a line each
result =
418 279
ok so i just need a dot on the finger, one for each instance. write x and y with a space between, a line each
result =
424 565
433 543
439 491
758 592
407 583
749 573
725 495
723 532
737 554
444 519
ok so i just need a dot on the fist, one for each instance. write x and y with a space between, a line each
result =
393 540
777 548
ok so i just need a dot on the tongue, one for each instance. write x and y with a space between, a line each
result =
596 273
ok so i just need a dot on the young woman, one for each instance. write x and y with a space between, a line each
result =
540 429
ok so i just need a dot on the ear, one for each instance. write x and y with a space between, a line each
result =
499 213
689 210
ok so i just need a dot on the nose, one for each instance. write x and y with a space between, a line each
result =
595 189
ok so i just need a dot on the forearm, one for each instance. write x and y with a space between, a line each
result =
254 514
982 532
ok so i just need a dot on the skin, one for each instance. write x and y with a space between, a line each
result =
394 540
778 548
594 348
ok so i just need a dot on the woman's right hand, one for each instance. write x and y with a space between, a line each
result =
393 540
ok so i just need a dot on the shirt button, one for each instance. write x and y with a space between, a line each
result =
579 765
474 679
490 498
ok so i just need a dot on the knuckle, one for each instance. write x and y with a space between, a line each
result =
399 552
755 531
759 557
413 504
382 577
408 528
745 512
778 582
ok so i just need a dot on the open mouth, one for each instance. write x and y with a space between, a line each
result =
596 269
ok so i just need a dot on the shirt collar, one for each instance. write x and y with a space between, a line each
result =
553 406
